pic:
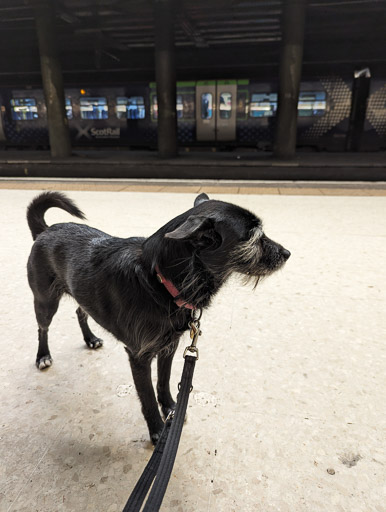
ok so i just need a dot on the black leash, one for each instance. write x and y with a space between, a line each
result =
161 462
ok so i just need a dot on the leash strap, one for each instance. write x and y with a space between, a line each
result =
157 492
161 462
143 485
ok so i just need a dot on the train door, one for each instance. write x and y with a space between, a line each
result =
205 111
216 111
226 112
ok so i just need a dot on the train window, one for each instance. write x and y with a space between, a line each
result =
93 108
206 105
179 107
68 108
24 109
188 106
312 104
242 105
121 108
225 105
263 105
130 108
184 107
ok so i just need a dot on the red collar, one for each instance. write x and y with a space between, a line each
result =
172 290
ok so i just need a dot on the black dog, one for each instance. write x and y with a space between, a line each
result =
142 290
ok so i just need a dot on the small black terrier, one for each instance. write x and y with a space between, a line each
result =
142 290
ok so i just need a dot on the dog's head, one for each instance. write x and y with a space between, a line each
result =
228 238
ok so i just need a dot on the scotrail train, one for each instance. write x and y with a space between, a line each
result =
334 114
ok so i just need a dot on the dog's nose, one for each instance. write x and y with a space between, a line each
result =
286 254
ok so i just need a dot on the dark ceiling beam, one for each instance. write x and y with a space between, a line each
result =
17 30
339 47
68 17
351 3
14 8
241 34
145 73
246 40
19 19
251 3
191 30
215 5
102 42
111 42
246 34
114 28
230 30
222 17
238 23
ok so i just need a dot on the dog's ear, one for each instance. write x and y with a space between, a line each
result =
190 228
201 199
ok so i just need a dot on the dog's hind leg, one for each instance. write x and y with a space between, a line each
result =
164 366
45 310
141 370
89 337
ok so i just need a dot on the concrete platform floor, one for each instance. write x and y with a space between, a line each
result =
287 187
288 407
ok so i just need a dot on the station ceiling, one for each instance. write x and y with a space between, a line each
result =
112 41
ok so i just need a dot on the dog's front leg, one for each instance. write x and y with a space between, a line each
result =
164 365
142 379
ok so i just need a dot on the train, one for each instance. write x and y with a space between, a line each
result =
222 114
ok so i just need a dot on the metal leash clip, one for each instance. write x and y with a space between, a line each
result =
195 332
171 414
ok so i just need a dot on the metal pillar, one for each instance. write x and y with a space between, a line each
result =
165 72
289 77
360 94
52 79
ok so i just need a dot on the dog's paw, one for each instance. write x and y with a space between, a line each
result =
44 362
155 437
94 343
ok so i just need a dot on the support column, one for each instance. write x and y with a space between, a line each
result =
289 77
165 73
52 79
360 95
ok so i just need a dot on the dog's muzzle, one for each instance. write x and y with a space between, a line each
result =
286 254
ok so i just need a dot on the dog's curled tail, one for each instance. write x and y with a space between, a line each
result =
44 201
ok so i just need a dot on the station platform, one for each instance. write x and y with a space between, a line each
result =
287 411
239 164
195 186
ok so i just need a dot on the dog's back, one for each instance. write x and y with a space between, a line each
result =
81 261
57 245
